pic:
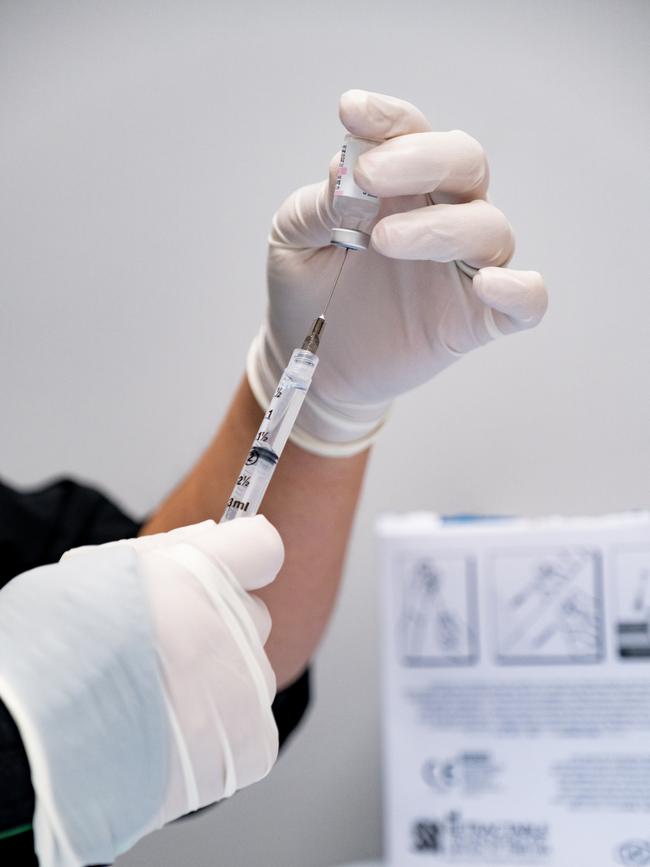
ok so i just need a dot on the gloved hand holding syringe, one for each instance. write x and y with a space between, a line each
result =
355 210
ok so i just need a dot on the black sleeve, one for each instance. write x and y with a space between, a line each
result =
36 528
16 797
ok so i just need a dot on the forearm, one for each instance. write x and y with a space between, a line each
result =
311 501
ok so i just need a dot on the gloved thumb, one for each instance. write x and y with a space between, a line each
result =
517 299
251 548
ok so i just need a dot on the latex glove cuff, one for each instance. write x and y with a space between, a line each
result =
321 428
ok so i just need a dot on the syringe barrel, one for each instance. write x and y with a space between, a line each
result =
272 436
355 209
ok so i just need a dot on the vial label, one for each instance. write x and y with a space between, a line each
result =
350 153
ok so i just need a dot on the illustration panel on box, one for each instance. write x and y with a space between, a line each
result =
632 582
549 606
437 619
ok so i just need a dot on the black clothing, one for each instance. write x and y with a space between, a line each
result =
36 527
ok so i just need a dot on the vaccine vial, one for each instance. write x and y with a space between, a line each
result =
355 209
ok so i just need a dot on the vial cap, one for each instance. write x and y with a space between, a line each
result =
351 239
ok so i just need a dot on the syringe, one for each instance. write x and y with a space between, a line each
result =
355 211
277 423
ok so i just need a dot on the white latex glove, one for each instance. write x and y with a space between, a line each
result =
403 310
136 674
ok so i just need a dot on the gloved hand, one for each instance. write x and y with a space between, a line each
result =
403 310
136 674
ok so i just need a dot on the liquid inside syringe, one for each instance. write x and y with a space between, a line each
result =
273 434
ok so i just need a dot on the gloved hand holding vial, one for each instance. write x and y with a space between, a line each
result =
430 286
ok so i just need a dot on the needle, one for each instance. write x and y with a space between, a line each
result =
312 341
345 255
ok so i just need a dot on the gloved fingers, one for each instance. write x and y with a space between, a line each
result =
220 683
250 547
475 232
377 117
305 219
259 614
452 163
251 550
518 299
195 608
222 587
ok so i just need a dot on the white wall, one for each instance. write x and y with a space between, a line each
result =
144 147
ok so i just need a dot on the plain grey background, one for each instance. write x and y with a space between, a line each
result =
144 148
